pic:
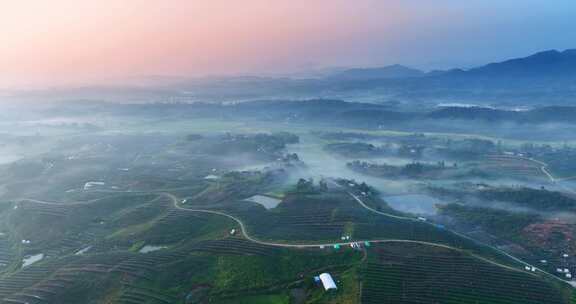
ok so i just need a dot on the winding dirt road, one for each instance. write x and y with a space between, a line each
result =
176 204
557 181
245 233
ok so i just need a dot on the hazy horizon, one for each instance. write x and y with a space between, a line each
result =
67 42
288 151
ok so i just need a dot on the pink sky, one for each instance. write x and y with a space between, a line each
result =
54 41
64 41
47 42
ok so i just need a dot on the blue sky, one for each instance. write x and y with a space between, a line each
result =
472 32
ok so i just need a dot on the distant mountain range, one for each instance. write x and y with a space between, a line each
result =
542 79
545 64
545 78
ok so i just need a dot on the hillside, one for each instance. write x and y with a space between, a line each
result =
546 64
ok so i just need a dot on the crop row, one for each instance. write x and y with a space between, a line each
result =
413 276
235 246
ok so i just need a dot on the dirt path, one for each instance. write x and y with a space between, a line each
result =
245 233
318 245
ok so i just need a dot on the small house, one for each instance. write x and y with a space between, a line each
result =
327 281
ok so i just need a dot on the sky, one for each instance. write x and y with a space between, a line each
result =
72 42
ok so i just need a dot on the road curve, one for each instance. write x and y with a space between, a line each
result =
544 168
357 199
245 233
318 245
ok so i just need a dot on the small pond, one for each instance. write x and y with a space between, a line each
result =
29 260
266 201
151 248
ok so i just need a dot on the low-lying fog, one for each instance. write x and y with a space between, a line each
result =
320 164
403 195
26 134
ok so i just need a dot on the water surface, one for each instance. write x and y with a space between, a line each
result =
29 260
151 248
266 201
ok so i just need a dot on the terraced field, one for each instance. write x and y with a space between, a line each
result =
6 252
512 166
325 218
295 219
236 246
408 273
201 259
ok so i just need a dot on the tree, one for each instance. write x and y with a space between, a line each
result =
305 185
364 188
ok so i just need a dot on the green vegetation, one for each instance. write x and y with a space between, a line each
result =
261 299
259 146
245 275
408 273
539 199
93 235
500 222
356 150
411 170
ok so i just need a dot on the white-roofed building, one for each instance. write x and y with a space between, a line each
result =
327 281
92 185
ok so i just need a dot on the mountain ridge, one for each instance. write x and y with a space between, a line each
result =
549 63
